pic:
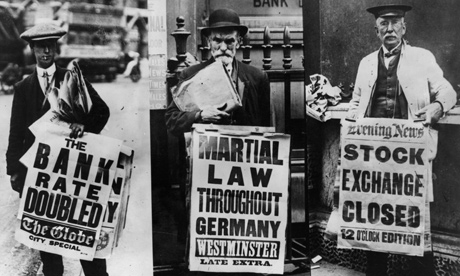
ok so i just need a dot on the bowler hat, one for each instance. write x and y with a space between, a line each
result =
389 10
225 18
42 32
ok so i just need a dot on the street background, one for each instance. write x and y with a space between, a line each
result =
129 121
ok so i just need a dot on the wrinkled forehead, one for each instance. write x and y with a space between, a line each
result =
224 33
389 19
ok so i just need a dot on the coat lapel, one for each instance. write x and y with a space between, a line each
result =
58 78
404 80
60 73
242 81
374 68
372 71
36 93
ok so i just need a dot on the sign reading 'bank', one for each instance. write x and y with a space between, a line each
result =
383 187
239 202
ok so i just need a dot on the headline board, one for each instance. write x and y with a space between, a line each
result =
239 201
383 188
66 192
115 216
157 54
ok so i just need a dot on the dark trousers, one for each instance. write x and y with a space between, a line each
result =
53 266
420 266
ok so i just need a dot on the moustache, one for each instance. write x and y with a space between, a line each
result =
227 53
223 55
390 36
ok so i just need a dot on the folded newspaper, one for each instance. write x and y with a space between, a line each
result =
71 101
212 86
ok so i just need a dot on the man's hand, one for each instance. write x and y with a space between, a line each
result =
433 112
17 182
76 130
213 115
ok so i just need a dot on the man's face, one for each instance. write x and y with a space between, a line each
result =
390 30
224 44
44 51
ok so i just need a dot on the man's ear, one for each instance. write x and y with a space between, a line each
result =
239 41
208 40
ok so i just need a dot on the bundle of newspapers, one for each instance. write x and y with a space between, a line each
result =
71 102
211 86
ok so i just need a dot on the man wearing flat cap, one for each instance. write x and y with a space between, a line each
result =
402 82
29 104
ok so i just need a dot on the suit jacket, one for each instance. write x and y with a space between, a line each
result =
28 107
253 86
419 75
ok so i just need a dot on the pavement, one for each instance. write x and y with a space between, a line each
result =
321 268
16 259
129 121
328 269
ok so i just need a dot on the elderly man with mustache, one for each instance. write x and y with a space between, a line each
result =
224 35
401 82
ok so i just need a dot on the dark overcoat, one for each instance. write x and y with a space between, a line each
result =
255 99
29 105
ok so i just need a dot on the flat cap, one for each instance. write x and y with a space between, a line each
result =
389 10
42 32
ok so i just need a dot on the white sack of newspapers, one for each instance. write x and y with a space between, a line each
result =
212 86
319 95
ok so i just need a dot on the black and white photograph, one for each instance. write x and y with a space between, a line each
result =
238 137
75 198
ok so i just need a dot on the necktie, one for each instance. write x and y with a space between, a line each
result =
393 53
47 81
47 85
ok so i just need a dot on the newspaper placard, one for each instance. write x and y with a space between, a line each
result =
114 219
66 191
158 48
239 200
383 188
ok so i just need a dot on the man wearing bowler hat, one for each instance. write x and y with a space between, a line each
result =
224 35
402 82
29 104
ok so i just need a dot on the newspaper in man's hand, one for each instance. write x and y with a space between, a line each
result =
71 102
212 86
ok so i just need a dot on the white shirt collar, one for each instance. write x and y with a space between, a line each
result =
50 70
385 50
